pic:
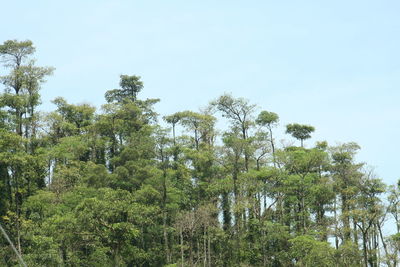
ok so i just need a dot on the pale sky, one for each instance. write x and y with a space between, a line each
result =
332 64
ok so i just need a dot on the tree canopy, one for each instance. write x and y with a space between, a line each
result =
120 187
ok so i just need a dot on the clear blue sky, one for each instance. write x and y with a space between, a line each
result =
332 64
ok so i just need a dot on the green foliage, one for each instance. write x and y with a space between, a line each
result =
266 118
299 131
130 87
307 251
82 187
13 51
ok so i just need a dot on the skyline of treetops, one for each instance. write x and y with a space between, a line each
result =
125 186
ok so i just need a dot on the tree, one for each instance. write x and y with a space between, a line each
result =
302 184
23 82
13 53
394 204
130 87
173 119
346 174
239 112
269 120
366 212
299 131
79 117
308 252
201 125
111 187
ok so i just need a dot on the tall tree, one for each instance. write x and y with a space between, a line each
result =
269 120
346 174
300 131
23 81
130 87
239 111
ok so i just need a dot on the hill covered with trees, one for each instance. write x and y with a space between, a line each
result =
123 186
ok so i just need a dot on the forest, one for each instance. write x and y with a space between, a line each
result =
126 186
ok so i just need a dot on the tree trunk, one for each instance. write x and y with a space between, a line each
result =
181 241
383 240
165 234
336 224
272 146
209 250
365 253
205 247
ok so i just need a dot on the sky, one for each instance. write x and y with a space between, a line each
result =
331 64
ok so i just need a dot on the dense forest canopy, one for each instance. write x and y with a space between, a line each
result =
124 186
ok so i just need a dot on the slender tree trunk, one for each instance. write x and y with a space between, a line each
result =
383 240
18 116
209 250
303 215
246 156
226 214
264 250
116 257
198 247
165 234
17 199
191 249
273 147
346 219
355 234
196 140
204 247
336 225
181 241
173 134
237 216
365 253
